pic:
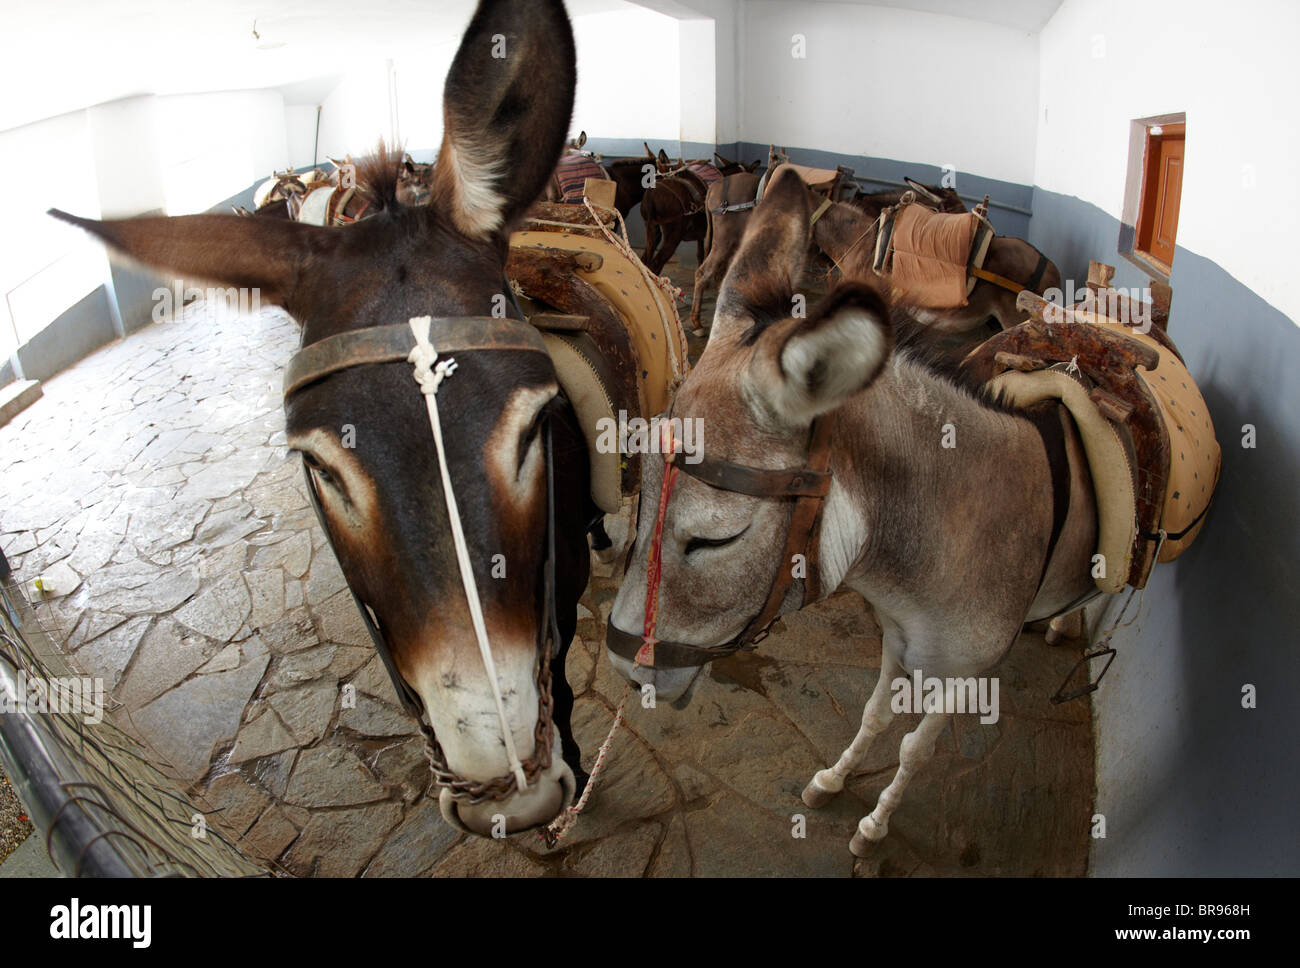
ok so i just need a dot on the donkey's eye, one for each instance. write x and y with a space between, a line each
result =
696 544
321 471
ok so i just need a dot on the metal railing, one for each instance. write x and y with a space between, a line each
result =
95 794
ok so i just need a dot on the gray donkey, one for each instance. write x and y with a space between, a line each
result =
945 509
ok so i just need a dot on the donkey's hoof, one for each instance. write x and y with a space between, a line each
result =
699 331
859 846
816 798
821 789
869 834
1064 629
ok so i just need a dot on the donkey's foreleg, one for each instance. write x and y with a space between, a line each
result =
876 716
705 276
913 753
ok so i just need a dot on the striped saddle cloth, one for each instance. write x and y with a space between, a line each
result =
572 172
704 172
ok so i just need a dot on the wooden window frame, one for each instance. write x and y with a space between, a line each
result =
1152 182
1141 181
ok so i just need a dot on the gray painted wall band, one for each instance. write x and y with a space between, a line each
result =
77 332
1191 783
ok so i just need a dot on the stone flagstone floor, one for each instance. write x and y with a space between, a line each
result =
151 487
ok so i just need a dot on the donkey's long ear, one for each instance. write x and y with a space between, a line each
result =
759 286
506 109
806 367
922 190
266 254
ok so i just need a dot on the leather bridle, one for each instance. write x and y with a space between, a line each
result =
807 486
394 344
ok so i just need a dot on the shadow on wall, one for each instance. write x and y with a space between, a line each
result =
1190 782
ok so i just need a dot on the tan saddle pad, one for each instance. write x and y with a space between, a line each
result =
820 180
1152 452
928 256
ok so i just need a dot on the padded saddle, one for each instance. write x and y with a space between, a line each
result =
615 339
929 256
1148 437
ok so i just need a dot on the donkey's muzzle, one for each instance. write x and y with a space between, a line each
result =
539 804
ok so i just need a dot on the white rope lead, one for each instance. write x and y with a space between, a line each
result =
556 830
430 376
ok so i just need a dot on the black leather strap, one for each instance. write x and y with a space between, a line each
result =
393 343
1040 270
668 655
789 482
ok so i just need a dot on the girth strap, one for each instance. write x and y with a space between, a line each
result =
739 207
997 280
1040 270
1048 423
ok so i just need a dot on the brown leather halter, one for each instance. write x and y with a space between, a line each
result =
808 486
393 344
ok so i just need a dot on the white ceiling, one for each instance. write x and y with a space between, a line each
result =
62 55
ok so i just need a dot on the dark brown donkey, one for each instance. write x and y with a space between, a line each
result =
931 196
673 210
506 427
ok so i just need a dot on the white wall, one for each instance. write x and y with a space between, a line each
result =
628 75
618 94
698 81
711 66
728 61
300 133
1233 71
46 266
213 146
356 113
888 83
125 156
179 154
419 98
